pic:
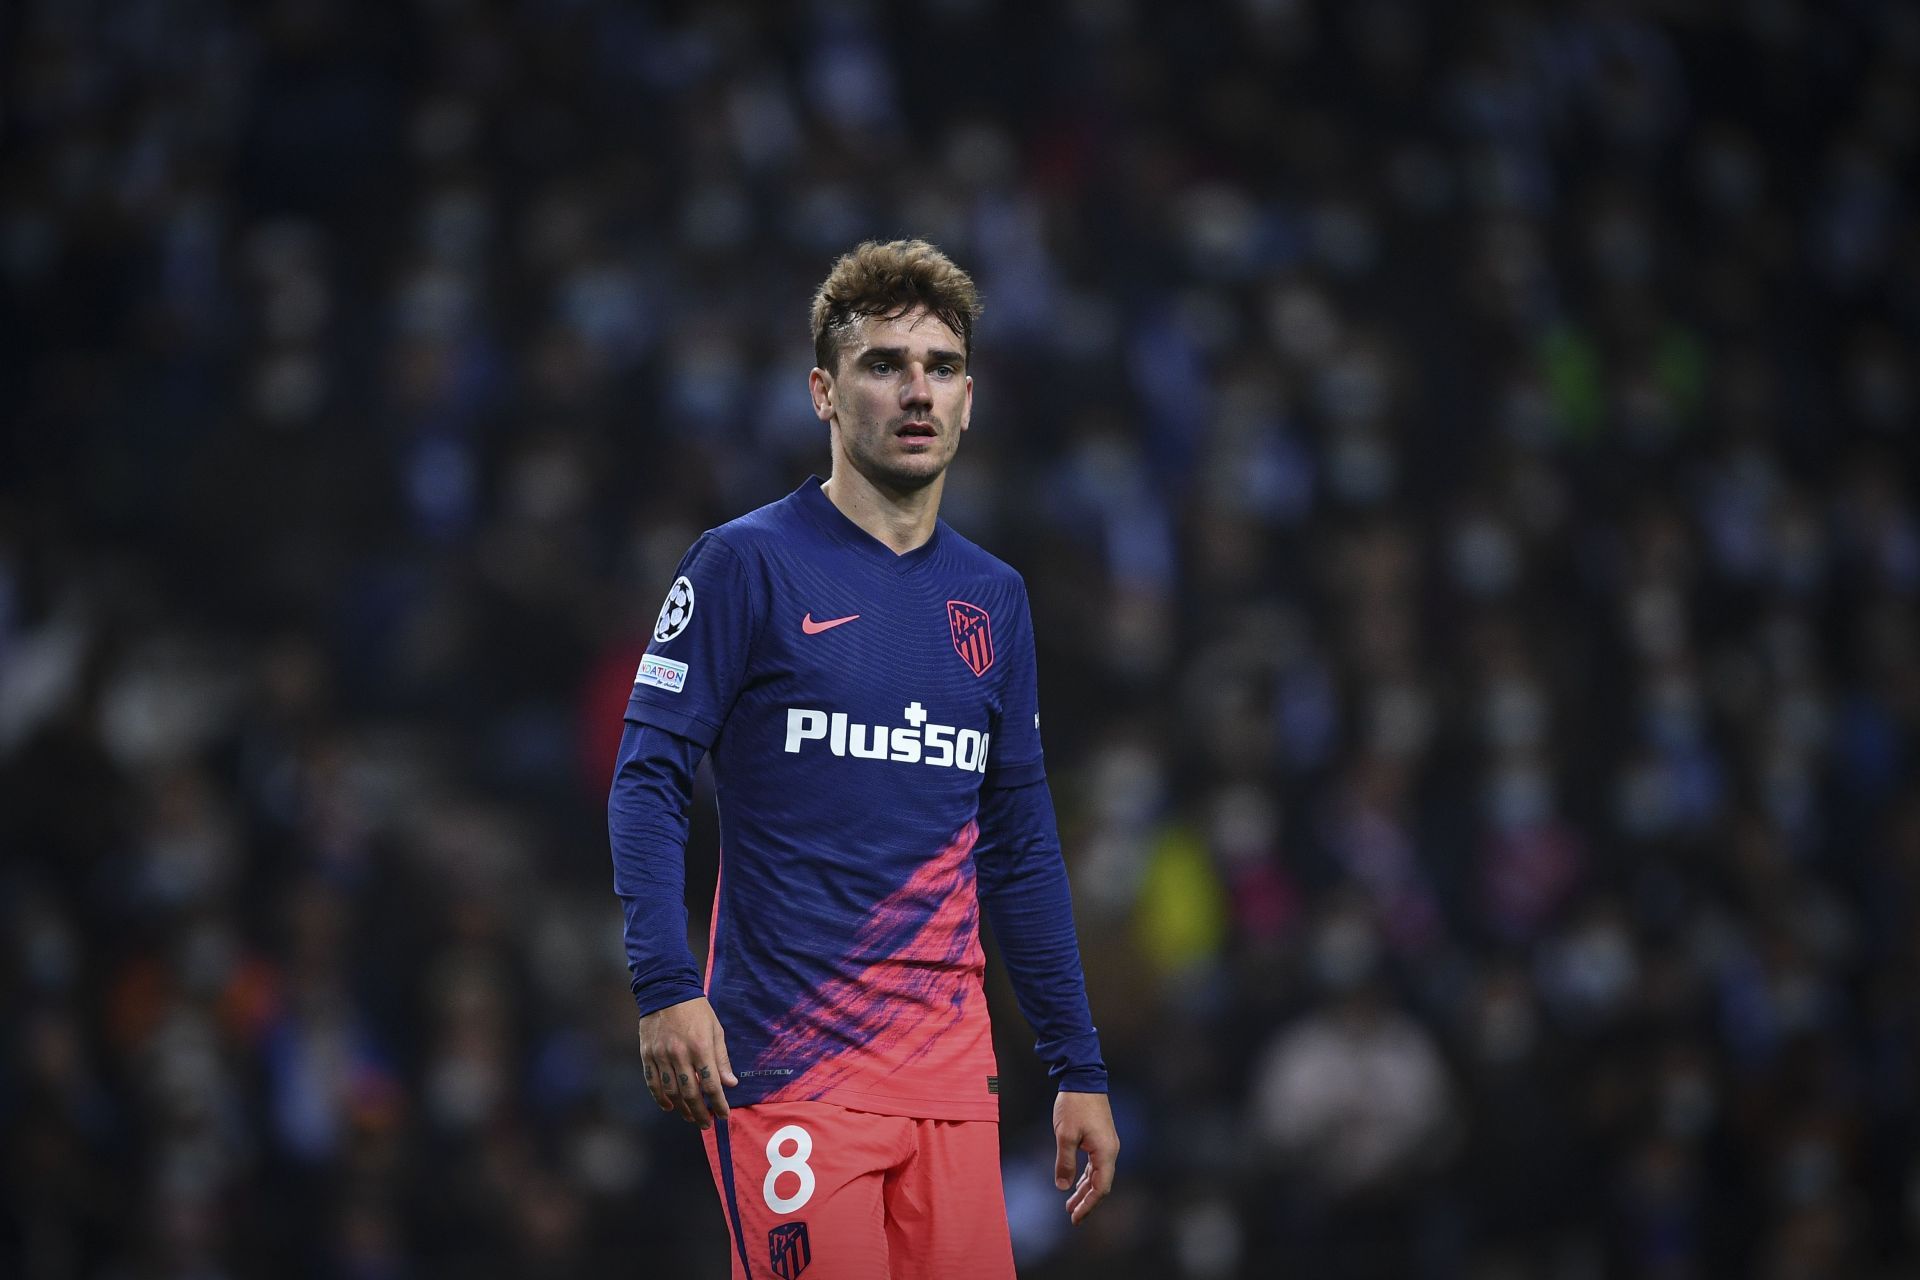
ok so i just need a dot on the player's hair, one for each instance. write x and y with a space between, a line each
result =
889 279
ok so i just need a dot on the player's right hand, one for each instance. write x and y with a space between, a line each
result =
684 1053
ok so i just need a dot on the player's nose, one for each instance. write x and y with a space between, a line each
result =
916 390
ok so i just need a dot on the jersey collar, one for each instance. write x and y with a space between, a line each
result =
832 521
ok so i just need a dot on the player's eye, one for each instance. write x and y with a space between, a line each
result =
880 367
943 370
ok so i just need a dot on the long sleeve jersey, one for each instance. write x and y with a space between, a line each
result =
874 728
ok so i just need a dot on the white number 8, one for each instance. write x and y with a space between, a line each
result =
794 1162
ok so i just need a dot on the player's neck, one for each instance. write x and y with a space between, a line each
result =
901 520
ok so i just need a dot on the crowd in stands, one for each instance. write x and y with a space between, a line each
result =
1463 459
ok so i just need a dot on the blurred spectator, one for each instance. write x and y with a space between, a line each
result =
1353 1096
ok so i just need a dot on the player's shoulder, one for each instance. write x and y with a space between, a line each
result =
759 530
969 558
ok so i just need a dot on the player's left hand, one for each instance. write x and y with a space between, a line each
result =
1084 1122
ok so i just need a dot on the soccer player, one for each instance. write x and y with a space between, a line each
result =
864 678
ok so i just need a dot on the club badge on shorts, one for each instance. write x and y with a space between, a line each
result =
788 1250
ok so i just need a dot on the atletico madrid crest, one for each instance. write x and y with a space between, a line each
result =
972 635
788 1249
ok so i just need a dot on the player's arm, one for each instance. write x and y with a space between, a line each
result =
682 1046
682 695
1024 892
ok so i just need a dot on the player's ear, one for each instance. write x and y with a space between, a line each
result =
820 387
966 406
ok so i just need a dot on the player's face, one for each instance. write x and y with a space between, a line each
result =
900 399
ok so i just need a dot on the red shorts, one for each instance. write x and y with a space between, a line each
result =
812 1188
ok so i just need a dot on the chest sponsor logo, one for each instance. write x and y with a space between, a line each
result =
972 632
662 673
918 741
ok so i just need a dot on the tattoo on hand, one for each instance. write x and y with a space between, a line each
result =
683 1078
706 1073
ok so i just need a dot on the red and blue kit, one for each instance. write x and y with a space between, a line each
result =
875 732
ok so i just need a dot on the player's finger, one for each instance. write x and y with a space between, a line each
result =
663 1072
715 1074
669 1087
1100 1163
692 1104
650 1071
711 1091
1096 1180
1085 1196
1077 1202
1065 1153
657 1085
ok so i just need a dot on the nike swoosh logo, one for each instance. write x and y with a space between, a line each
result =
812 628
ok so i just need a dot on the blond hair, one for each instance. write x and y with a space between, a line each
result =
889 279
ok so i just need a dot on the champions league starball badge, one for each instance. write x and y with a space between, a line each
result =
676 612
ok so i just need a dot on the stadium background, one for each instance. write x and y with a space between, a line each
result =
1462 455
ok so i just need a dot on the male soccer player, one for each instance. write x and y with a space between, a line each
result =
864 677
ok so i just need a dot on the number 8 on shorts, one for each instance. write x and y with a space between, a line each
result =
794 1162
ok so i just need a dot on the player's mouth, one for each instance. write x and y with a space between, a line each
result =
912 432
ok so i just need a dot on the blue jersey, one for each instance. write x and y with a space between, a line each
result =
856 703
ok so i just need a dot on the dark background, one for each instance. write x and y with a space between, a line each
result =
1463 460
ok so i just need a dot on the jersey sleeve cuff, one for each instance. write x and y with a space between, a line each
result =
690 727
1082 1080
1007 777
651 997
1075 1062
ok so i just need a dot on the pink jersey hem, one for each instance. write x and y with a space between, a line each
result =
913 1108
